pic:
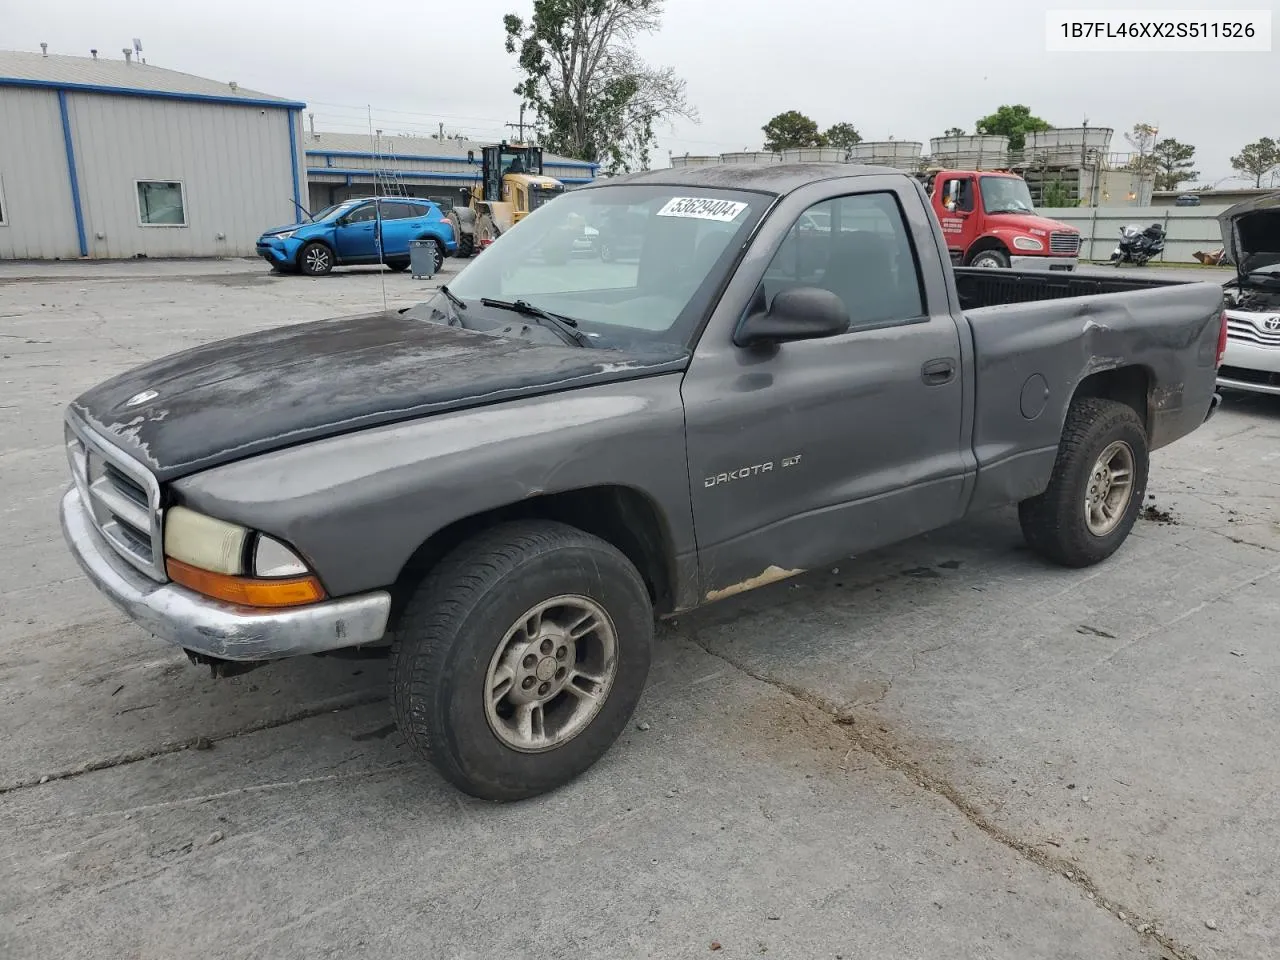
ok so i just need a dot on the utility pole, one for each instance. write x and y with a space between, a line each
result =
519 125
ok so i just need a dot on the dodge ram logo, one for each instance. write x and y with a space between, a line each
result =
140 398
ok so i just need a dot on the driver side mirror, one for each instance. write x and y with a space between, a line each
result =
801 313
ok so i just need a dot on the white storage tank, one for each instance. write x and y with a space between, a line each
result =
899 154
813 155
689 160
750 156
979 152
1066 145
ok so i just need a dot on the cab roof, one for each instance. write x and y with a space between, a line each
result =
772 178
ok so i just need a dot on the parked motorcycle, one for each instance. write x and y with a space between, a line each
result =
1137 245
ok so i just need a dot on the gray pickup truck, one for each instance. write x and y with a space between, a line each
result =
505 485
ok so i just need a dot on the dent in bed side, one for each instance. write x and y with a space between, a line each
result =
383 492
1086 343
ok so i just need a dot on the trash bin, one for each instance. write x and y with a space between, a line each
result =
422 258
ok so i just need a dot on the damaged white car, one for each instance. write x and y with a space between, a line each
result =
1251 238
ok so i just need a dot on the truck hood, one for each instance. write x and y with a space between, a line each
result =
247 395
1251 234
1028 222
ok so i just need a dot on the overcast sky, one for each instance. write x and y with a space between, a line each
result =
902 68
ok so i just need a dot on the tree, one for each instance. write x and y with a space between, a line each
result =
1013 121
594 97
953 132
1142 138
1257 159
842 136
1057 193
1173 163
791 130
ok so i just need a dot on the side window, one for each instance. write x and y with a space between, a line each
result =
160 203
958 194
858 247
399 211
362 214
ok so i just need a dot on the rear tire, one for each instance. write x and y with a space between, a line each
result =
468 664
466 246
1097 487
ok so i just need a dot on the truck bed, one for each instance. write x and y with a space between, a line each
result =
1036 337
990 288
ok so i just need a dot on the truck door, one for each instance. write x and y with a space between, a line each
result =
955 203
809 451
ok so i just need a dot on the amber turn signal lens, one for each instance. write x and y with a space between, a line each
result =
246 591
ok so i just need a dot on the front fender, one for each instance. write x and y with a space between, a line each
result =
357 506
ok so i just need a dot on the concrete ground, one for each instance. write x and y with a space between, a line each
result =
945 749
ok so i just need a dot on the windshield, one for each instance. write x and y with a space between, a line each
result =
1006 195
334 210
628 263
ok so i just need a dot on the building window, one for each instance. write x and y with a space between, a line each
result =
160 204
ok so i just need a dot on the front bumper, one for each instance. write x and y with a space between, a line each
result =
216 629
1044 263
277 251
1250 366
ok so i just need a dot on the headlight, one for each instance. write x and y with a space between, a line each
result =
283 234
233 563
1027 243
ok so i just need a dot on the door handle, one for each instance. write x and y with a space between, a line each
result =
937 372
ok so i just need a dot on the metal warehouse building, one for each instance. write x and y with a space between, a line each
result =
117 158
343 165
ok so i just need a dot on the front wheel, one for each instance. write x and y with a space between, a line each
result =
991 260
521 657
1096 489
315 260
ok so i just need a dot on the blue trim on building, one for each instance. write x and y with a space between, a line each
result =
294 117
580 164
71 170
153 94
419 175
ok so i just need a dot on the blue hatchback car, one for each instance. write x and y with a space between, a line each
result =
352 232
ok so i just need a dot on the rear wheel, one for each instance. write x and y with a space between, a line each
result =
521 657
466 245
1097 487
315 259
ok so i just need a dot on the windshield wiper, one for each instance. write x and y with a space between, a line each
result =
567 327
453 297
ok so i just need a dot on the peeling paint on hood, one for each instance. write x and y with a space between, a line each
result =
247 395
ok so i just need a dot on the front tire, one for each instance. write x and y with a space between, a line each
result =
315 260
1097 488
520 659
991 260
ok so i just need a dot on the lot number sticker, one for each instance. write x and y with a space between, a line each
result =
700 208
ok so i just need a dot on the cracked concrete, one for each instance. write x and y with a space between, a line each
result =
943 749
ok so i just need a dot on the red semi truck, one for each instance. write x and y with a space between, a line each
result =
988 220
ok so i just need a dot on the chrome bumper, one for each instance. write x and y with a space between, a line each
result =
1044 264
215 629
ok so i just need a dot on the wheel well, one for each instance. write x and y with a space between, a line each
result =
619 515
982 245
1128 385
324 243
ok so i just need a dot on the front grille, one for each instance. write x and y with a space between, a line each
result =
1064 243
1242 331
121 497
